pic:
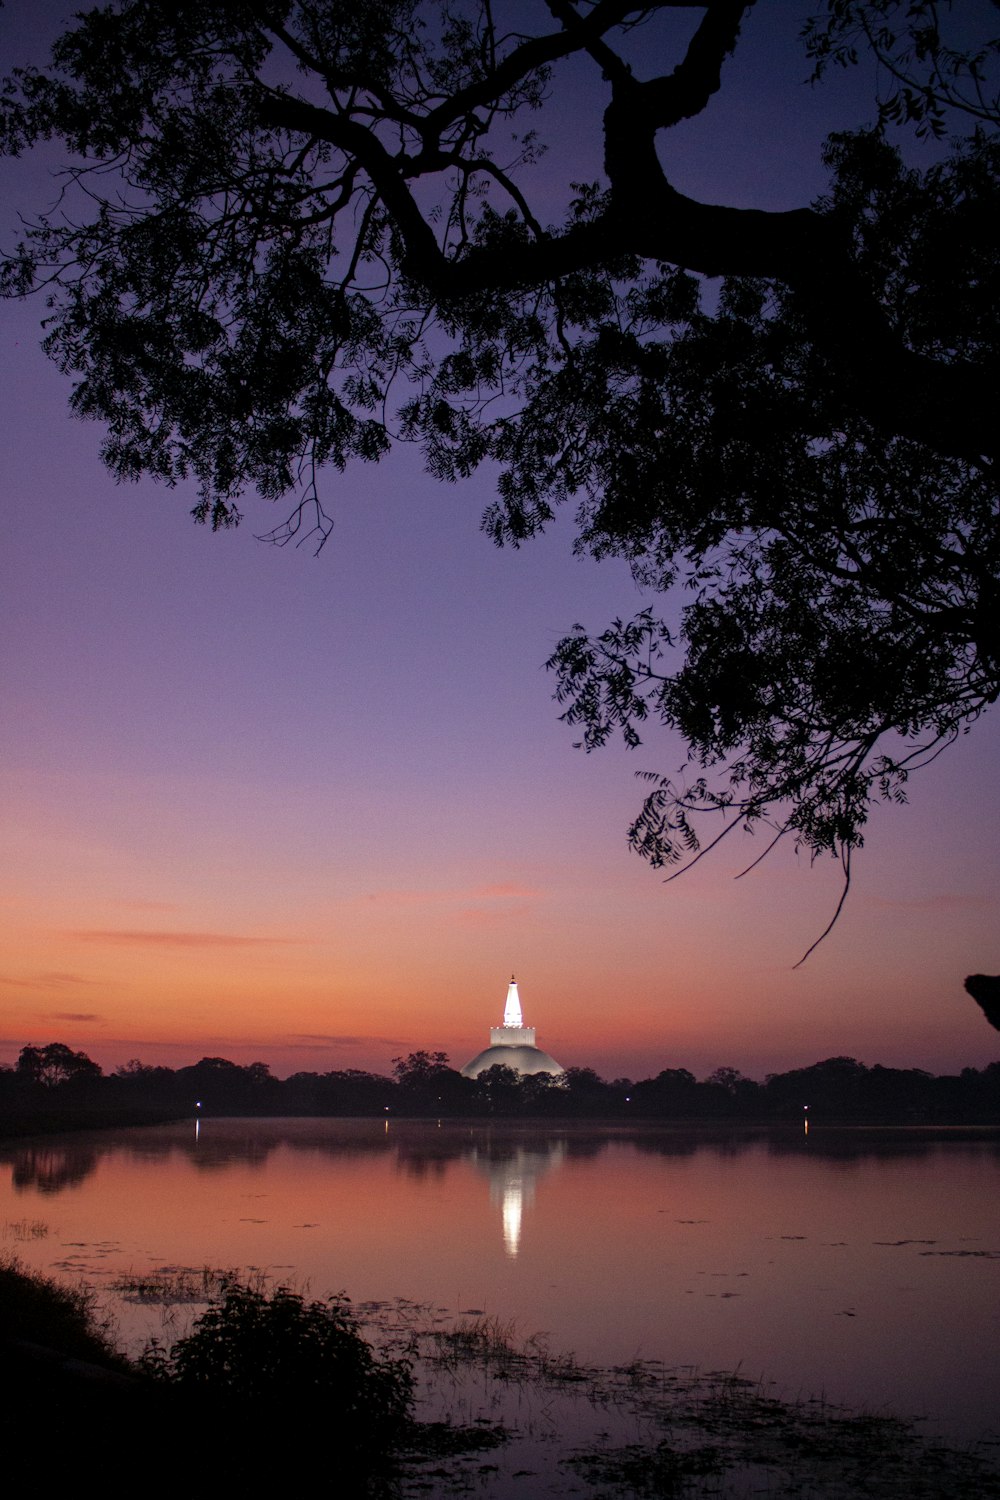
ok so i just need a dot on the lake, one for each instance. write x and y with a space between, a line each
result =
859 1265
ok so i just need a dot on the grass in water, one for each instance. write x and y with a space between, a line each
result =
723 1435
495 1413
170 1286
645 1430
24 1229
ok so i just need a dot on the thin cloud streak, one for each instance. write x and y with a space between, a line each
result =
950 901
148 905
480 916
504 892
309 1041
181 939
72 1015
44 981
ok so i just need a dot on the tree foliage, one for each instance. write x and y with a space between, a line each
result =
924 78
421 1069
842 1087
294 229
56 1065
985 990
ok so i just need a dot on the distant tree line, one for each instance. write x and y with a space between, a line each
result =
54 1083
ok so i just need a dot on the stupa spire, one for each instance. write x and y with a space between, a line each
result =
512 1009
512 1045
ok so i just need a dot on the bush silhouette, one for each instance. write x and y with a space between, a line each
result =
278 1373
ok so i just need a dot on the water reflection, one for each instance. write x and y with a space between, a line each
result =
50 1167
513 1172
508 1154
861 1263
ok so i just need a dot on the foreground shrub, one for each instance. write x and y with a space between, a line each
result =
280 1372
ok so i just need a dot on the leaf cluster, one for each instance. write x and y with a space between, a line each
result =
924 80
841 590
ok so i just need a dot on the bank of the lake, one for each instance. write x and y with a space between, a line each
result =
23 1124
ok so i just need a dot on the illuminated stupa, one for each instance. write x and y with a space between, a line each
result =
512 1045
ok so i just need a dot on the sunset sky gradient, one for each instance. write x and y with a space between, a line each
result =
315 811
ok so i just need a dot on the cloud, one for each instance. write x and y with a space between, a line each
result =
71 1015
148 905
180 939
501 892
310 1040
159 1042
45 981
946 901
505 891
484 916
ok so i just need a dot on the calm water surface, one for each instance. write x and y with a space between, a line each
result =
860 1265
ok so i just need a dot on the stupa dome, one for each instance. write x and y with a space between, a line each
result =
512 1045
524 1059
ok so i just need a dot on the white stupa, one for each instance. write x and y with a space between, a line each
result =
512 1044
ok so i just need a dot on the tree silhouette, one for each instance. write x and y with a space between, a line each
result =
290 230
56 1065
985 990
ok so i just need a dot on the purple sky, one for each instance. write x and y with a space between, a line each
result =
316 810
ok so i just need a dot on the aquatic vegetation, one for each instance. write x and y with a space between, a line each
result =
659 1471
644 1429
480 1338
24 1229
169 1286
411 1400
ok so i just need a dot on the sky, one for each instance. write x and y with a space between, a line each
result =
315 811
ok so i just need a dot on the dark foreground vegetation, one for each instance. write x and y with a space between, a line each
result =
271 1389
54 1088
239 1403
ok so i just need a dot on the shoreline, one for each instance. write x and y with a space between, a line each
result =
73 1122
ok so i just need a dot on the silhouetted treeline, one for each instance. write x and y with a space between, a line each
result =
53 1085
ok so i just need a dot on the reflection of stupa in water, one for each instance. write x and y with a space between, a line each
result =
513 1171
512 1045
